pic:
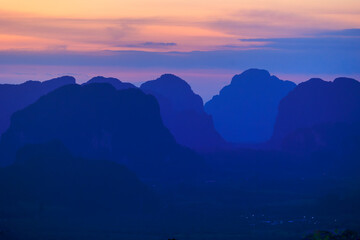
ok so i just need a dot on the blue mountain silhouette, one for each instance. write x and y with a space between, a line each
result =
119 85
183 113
14 97
245 111
312 112
97 121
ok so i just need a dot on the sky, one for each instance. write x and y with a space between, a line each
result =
204 42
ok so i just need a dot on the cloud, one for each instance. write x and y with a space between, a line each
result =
320 45
325 51
286 58
159 44
66 30
355 32
100 33
150 45
109 33
271 23
57 48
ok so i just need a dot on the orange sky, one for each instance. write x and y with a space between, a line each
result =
164 25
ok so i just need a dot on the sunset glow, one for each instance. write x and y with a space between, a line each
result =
192 25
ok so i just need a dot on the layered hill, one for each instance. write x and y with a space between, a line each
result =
183 113
318 113
119 85
97 121
14 97
245 111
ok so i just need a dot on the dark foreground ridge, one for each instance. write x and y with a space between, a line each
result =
48 176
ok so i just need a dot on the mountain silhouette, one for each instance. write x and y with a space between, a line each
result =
337 137
245 111
315 103
97 121
14 97
47 176
183 113
119 85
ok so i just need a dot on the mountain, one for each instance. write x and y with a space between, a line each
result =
97 121
183 113
119 85
337 137
245 111
48 178
15 97
316 105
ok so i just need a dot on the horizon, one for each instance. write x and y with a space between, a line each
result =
215 80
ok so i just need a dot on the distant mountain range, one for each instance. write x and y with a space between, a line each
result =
245 111
255 108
